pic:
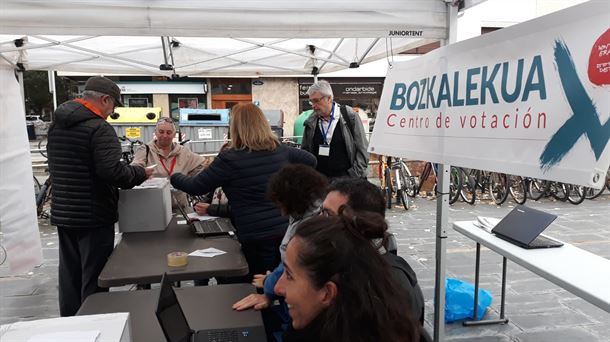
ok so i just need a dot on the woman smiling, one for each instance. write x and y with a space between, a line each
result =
337 286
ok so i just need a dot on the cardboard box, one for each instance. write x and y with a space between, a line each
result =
146 207
112 327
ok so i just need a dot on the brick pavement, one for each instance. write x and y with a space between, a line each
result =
538 310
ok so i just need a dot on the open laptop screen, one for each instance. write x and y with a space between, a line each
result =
170 315
523 224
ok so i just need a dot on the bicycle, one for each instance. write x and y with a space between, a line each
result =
393 179
496 184
402 181
517 187
538 188
42 147
42 196
455 181
591 193
128 148
576 193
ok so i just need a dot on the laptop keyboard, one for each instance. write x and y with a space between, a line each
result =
216 226
542 241
211 227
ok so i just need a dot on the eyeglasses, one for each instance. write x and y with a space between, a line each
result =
316 101
325 212
165 119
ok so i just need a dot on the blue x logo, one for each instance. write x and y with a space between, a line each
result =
585 119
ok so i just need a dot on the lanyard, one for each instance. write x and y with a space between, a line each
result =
171 167
330 122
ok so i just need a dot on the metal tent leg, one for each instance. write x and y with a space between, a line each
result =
502 319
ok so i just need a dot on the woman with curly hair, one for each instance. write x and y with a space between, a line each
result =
298 191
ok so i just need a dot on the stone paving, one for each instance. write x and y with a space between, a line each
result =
537 309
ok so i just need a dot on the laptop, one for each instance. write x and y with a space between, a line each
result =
175 326
522 227
214 227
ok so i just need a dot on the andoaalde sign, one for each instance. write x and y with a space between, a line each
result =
530 100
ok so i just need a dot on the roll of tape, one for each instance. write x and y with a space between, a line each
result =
177 259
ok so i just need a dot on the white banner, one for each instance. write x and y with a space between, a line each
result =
532 100
18 220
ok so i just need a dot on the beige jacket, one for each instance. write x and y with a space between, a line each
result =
187 162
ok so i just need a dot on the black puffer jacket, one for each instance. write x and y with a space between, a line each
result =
84 162
244 176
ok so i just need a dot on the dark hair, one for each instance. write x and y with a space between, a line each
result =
369 306
296 188
361 194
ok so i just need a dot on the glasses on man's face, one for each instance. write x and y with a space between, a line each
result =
315 101
325 212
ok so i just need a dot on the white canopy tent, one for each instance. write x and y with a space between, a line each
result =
203 39
209 38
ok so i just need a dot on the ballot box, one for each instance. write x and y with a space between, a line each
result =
145 208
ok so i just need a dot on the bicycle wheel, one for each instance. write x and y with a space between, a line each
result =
536 188
498 187
517 189
591 193
36 187
576 193
410 184
401 192
467 191
42 147
388 187
559 191
455 185
42 197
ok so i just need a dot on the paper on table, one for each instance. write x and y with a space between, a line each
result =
197 217
66 336
486 223
155 182
207 253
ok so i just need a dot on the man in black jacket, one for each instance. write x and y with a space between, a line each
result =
86 170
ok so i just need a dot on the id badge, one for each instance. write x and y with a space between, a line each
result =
324 150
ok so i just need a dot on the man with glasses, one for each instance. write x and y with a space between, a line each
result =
361 195
86 169
335 135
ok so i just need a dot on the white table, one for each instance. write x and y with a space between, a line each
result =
584 274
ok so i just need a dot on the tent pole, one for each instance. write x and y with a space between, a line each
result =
21 88
442 219
52 88
442 210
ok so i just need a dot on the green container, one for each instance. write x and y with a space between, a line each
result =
298 125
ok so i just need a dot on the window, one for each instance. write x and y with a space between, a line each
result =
137 102
188 102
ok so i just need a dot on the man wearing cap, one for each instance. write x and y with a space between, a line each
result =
86 171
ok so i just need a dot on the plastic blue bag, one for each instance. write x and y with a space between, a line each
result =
459 300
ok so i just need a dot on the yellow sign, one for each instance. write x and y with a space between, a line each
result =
136 115
133 132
